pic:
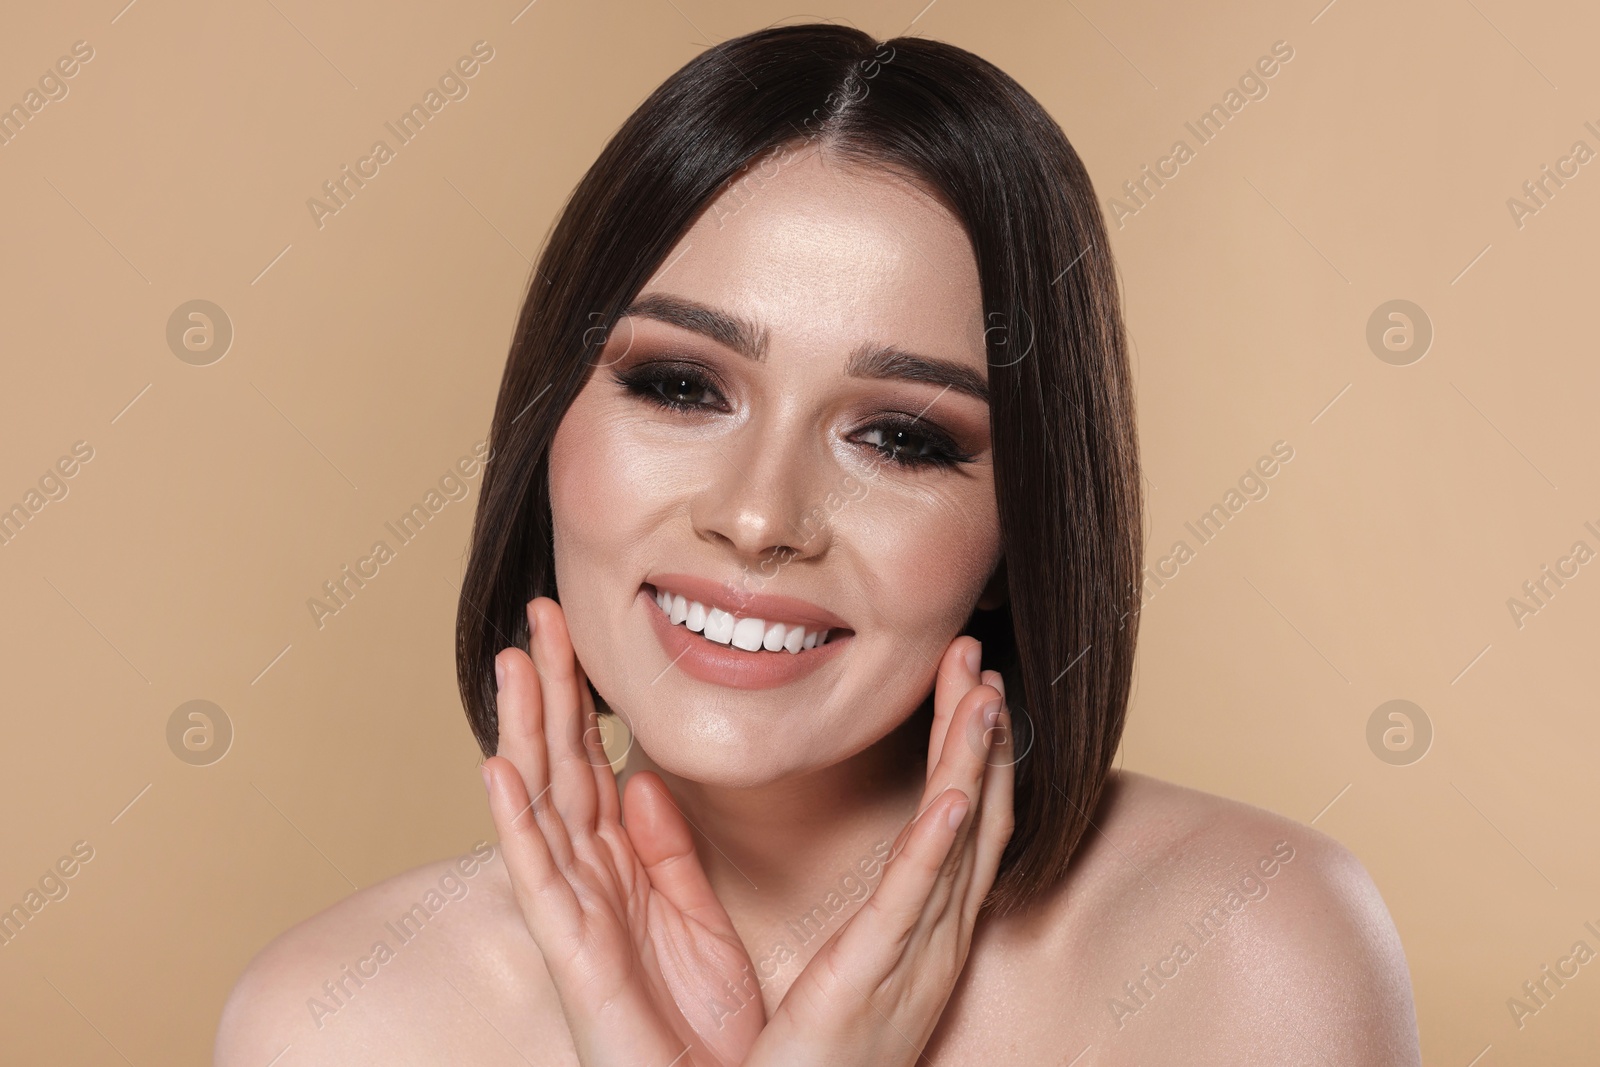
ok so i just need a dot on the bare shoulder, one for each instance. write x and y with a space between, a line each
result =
1254 936
1197 929
431 965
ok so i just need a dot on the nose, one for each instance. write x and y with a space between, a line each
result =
766 498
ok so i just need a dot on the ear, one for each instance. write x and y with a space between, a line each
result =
995 593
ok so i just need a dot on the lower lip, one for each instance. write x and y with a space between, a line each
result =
726 665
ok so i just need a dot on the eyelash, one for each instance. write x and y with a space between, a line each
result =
643 383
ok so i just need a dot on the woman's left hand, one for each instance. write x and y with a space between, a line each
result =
874 993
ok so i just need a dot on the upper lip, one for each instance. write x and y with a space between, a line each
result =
747 605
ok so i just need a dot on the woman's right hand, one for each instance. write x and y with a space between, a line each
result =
624 915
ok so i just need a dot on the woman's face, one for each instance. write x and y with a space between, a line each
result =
783 428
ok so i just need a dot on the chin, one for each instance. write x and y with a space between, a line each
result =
714 755
722 740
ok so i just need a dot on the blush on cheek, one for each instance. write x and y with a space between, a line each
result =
607 471
928 567
929 558
589 476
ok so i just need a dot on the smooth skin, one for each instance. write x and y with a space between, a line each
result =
587 937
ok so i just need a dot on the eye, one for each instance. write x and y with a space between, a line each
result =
907 442
678 387
913 443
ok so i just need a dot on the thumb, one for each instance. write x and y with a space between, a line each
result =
662 841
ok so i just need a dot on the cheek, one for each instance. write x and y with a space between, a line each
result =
575 496
929 554
598 486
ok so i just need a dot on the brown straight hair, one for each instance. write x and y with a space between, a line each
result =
1062 412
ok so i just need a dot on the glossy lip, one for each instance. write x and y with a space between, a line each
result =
731 667
742 604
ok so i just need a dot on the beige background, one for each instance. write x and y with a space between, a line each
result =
367 354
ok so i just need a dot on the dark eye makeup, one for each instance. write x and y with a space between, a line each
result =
904 440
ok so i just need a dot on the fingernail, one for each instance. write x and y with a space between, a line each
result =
499 674
484 767
975 658
958 811
991 713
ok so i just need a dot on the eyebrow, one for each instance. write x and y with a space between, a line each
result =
727 330
868 360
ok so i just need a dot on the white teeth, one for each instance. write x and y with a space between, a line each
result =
750 634
773 639
719 626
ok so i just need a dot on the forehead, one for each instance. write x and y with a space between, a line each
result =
820 251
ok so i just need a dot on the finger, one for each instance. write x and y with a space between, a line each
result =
963 764
967 765
549 907
875 935
520 707
996 818
958 673
663 843
998 775
981 842
963 720
966 748
572 778
609 807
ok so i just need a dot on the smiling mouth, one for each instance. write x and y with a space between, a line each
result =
747 633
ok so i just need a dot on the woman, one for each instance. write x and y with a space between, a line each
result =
818 419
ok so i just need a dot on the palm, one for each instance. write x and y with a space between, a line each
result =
643 955
679 944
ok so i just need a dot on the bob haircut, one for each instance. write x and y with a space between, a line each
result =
1062 412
